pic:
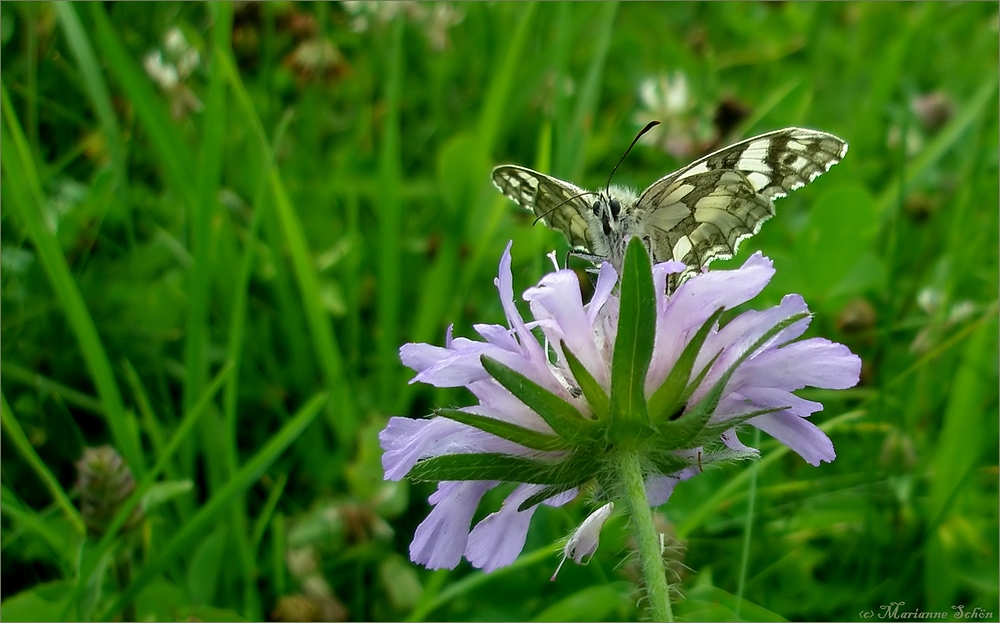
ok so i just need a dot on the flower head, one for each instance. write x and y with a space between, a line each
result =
637 369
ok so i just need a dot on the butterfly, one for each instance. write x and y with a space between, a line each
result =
694 215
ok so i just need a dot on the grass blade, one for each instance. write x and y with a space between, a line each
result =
97 88
194 529
125 512
341 411
16 436
23 183
390 223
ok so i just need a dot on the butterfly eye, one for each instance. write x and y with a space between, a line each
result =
615 208
597 208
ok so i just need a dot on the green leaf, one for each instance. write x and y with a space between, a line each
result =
843 225
668 398
633 345
506 430
710 603
161 492
42 602
592 390
593 603
205 565
563 417
15 434
494 466
22 180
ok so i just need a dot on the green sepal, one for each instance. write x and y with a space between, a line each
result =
696 383
592 390
667 463
679 433
669 397
546 493
506 430
563 417
495 466
633 345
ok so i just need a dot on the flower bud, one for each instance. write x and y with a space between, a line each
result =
585 540
105 483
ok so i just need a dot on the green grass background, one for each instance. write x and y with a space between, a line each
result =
221 296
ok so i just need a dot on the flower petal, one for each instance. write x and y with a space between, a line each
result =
740 334
607 279
440 539
557 297
801 435
815 362
694 302
405 441
497 540
505 286
659 488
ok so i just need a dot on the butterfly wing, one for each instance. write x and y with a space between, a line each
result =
703 211
556 202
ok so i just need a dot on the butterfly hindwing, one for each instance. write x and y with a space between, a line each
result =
556 202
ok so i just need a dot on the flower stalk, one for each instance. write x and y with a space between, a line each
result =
650 556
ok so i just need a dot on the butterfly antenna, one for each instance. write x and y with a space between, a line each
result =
649 126
541 216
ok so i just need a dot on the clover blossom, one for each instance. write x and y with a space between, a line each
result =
637 375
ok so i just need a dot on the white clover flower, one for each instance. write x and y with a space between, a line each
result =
636 370
683 130
170 68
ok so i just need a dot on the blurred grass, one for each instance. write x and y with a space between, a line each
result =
315 192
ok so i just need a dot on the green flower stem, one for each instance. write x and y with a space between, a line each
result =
645 532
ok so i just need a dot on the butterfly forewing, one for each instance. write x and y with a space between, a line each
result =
775 163
702 217
722 199
556 202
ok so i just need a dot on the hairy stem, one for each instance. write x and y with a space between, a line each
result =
649 541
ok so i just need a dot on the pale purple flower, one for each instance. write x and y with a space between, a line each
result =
764 373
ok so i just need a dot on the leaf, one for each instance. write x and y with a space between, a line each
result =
563 417
220 502
42 602
205 565
710 603
633 344
593 603
161 492
843 224
506 430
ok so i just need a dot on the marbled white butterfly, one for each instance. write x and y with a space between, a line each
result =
695 215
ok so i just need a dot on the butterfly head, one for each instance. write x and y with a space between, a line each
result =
611 209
